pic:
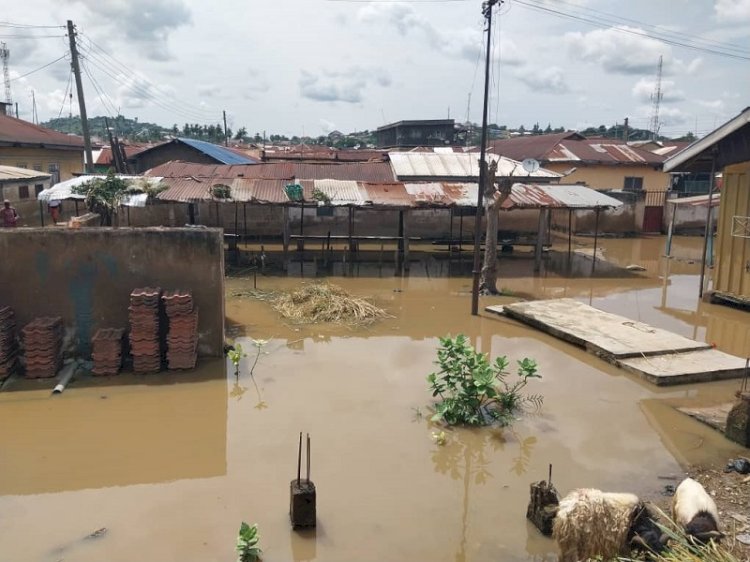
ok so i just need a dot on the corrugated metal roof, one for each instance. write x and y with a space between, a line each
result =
341 192
462 194
12 173
18 131
388 194
219 153
359 171
456 165
696 201
535 196
64 190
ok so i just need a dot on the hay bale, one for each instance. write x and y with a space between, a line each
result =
323 302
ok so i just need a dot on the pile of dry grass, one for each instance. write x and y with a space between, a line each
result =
322 302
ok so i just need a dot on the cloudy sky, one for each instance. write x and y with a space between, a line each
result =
312 66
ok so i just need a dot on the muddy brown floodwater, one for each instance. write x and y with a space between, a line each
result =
170 465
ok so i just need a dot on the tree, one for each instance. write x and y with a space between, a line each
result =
493 200
103 196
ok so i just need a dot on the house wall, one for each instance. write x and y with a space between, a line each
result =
689 219
733 252
69 161
166 153
86 275
12 189
611 177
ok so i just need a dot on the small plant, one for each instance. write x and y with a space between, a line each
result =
321 196
247 543
235 355
474 391
221 191
439 437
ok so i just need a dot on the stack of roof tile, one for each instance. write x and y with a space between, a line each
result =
145 340
107 352
182 338
42 338
8 344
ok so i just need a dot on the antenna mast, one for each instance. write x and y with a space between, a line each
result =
656 98
5 55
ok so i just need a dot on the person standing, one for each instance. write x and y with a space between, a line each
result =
9 215
54 210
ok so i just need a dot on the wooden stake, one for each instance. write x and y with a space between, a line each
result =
299 458
549 478
308 458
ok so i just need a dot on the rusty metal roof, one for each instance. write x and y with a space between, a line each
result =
358 171
534 196
341 192
447 165
19 132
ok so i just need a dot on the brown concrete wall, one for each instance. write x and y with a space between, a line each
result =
86 276
621 220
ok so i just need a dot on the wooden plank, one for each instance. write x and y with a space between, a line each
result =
608 335
683 368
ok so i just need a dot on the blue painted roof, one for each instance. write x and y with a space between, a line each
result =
219 153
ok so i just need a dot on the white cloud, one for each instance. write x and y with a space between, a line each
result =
549 80
145 23
644 89
464 43
672 116
342 86
618 50
327 126
732 11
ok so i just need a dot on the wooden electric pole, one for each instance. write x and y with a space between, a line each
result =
226 136
89 166
487 11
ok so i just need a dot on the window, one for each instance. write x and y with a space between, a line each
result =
23 191
324 211
38 188
633 183
54 170
38 166
21 165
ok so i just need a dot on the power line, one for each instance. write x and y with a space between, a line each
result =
105 99
630 31
40 68
65 95
615 19
29 26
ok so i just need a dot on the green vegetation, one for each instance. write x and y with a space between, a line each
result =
247 543
474 391
104 196
235 356
221 191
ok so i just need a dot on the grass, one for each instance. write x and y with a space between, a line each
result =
315 303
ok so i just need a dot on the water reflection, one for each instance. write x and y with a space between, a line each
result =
304 543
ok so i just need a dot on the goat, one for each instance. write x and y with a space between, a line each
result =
695 510
591 523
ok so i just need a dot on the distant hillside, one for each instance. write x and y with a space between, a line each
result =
125 128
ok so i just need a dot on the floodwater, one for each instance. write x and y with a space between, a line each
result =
171 465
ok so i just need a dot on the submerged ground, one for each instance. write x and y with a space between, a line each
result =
171 464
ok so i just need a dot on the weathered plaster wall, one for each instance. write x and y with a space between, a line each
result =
86 276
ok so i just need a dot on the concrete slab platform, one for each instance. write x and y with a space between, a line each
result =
713 416
683 368
609 335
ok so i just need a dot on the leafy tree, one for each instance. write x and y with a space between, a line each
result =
103 196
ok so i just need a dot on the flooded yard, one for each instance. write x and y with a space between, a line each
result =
171 464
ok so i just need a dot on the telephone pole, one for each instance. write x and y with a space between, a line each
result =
226 136
89 166
487 11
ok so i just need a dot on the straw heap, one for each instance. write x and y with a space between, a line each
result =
145 345
107 352
182 338
8 343
42 338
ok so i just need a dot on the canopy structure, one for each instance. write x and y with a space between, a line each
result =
64 190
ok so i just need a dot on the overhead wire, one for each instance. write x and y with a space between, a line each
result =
630 31
29 26
65 55
65 95
110 60
109 105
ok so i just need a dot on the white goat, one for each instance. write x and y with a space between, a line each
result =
592 523
695 510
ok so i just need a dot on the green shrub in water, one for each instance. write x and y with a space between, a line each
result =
247 543
474 391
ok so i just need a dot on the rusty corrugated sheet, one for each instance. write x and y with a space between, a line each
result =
428 194
388 195
22 133
185 189
462 194
408 165
533 196
270 191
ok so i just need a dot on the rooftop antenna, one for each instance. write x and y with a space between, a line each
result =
5 55
656 97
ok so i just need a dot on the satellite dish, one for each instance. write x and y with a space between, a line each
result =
530 165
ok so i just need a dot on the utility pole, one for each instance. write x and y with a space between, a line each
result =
656 97
33 107
487 11
626 130
4 56
89 166
226 137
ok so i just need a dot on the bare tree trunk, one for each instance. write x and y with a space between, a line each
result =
493 198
